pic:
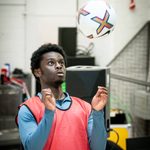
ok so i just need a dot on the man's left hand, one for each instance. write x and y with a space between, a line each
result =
100 98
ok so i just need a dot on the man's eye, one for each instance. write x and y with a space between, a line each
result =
62 62
50 63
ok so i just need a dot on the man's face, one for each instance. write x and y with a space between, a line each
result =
52 69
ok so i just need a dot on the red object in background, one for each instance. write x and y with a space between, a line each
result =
4 77
132 4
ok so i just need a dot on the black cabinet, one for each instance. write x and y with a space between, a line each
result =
80 60
82 81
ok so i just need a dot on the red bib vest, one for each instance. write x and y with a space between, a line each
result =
69 128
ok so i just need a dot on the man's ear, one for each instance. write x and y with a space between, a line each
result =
37 72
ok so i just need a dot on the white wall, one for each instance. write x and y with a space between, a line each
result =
129 22
12 48
43 18
26 24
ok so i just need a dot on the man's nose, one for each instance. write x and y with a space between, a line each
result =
58 65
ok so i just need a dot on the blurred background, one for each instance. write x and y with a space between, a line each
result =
124 55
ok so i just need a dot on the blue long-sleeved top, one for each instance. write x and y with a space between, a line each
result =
34 136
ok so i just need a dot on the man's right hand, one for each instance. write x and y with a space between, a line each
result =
48 99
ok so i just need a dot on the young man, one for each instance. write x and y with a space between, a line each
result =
53 120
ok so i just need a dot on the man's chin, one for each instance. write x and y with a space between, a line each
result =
58 83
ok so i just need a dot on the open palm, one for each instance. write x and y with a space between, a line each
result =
100 98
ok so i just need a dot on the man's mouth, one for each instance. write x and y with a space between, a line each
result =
60 73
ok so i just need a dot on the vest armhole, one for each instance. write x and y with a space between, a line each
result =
31 113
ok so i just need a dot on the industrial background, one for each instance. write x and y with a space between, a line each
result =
26 24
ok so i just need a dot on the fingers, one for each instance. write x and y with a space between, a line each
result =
47 92
48 98
101 91
102 88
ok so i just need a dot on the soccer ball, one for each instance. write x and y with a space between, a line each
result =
96 18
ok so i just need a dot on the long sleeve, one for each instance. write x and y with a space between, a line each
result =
97 134
34 136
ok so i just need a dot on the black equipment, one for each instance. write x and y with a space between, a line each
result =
82 81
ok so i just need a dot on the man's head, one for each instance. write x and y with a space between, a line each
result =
43 55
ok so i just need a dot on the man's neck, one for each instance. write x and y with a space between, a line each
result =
57 91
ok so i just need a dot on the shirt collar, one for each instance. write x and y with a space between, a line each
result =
67 97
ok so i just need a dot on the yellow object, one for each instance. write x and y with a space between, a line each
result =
123 133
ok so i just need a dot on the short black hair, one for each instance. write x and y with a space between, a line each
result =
37 55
